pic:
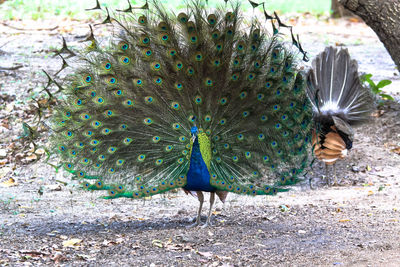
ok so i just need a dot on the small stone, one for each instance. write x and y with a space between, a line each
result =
270 218
284 208
355 169
9 107
302 232
54 187
185 239
3 153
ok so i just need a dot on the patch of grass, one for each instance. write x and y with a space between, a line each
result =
46 9
7 203
312 6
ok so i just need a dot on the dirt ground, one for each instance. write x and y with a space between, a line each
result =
45 222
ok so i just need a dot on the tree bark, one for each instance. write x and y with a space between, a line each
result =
383 16
339 11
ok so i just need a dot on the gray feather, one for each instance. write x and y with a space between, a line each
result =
344 127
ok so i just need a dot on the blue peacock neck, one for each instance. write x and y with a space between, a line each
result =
198 176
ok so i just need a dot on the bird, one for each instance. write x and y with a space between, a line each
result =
197 100
339 102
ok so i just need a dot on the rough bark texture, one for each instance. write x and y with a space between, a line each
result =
338 10
383 16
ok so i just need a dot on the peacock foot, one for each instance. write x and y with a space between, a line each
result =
335 181
206 225
315 183
195 224
331 182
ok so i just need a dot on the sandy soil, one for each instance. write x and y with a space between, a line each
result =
44 222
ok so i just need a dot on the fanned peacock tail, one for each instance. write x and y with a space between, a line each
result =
125 124
335 89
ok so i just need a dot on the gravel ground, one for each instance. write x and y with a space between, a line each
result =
44 222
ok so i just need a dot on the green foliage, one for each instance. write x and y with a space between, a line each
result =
376 89
313 6
45 9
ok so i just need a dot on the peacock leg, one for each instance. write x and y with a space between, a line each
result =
212 199
327 179
200 197
335 182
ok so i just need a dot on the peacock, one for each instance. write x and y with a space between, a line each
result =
339 102
201 100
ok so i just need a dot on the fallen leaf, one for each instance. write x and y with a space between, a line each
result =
378 113
354 19
10 182
119 240
26 207
32 157
40 151
344 220
157 243
224 258
396 150
71 242
177 247
84 257
33 253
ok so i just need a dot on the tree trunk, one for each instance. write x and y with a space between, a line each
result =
383 16
339 11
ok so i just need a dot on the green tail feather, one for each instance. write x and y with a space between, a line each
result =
124 125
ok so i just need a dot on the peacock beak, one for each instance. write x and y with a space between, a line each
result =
194 132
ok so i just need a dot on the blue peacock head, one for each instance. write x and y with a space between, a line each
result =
194 131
